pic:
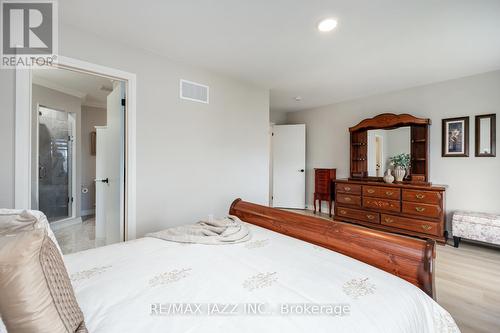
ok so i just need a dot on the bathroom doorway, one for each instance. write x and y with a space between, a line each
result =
26 149
78 156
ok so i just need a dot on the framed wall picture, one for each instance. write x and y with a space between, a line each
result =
455 137
486 135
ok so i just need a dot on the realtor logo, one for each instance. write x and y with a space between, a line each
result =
29 33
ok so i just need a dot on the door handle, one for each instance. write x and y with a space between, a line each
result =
42 172
301 170
106 180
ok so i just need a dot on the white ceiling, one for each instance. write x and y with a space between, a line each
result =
378 46
84 86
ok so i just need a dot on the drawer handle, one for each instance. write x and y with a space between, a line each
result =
370 217
388 220
347 199
343 212
420 196
419 209
347 188
426 227
380 204
370 191
389 193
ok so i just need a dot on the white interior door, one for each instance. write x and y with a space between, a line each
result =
100 186
289 164
110 171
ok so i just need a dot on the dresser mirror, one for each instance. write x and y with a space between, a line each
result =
382 144
376 140
486 135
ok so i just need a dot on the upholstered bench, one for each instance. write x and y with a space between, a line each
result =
476 226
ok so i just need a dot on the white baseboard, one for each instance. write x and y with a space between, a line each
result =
65 223
324 207
87 212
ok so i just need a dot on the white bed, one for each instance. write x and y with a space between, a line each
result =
118 288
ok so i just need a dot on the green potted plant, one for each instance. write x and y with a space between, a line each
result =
401 164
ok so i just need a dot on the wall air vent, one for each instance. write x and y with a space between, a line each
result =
193 91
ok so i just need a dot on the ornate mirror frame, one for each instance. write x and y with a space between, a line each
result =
419 143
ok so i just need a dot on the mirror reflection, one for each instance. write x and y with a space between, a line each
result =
484 136
384 144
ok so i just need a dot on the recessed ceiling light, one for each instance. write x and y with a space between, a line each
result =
298 98
327 25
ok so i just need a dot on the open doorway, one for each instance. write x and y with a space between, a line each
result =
78 151
379 153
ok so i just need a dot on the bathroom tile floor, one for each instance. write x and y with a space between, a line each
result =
77 237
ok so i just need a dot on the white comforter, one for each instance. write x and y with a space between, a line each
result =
120 287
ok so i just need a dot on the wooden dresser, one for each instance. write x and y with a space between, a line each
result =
323 187
411 209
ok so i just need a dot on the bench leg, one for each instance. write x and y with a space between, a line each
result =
456 241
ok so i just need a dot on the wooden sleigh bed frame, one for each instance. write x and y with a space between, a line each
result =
408 258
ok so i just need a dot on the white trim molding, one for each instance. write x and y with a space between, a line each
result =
22 160
87 212
61 224
23 135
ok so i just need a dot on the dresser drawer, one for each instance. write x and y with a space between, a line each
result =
348 199
322 181
382 192
349 188
390 205
357 214
420 209
425 227
429 197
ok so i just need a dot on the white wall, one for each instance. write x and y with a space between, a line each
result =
63 102
91 117
398 142
193 159
474 183
7 100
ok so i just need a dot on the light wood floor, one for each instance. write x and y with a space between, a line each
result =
467 284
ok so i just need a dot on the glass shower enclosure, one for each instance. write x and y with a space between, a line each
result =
55 163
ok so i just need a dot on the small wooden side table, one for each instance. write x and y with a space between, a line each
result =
324 180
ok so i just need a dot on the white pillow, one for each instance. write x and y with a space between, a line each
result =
12 220
3 329
15 219
14 223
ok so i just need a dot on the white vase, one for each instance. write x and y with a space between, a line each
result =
399 173
388 178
